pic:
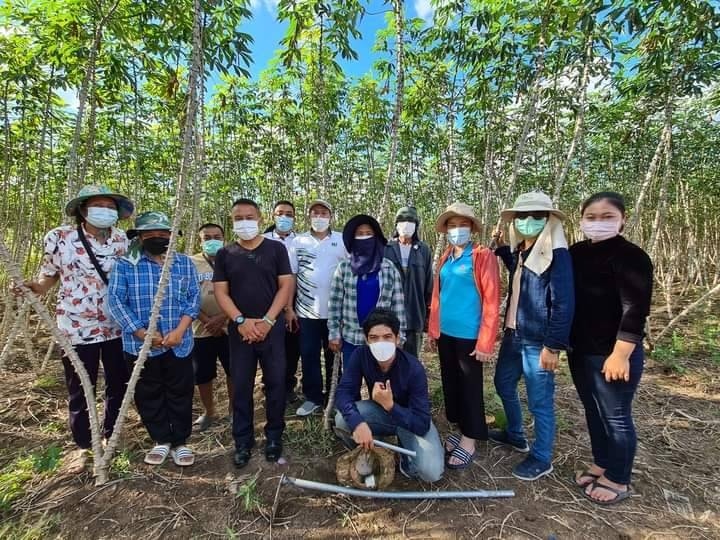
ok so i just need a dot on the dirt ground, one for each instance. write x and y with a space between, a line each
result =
676 478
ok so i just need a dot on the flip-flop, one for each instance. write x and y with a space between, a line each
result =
182 456
619 494
587 473
157 455
454 441
465 457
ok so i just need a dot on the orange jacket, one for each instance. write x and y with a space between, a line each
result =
487 280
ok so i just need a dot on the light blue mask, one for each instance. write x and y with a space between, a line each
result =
102 218
530 227
459 236
284 223
211 247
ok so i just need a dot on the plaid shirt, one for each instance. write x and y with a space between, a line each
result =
131 292
342 312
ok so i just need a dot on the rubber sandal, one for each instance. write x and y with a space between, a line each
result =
619 494
454 441
587 473
157 455
465 457
182 456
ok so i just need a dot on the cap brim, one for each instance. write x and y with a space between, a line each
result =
132 233
441 221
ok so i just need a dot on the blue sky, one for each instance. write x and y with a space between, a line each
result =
267 32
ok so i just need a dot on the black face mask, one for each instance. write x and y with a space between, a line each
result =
157 245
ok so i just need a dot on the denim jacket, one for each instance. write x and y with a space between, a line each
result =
547 301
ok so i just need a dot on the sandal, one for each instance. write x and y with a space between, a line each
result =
454 441
182 456
576 477
465 457
619 494
157 455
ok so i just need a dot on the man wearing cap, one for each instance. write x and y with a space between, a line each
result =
80 257
413 259
253 281
164 392
314 256
540 307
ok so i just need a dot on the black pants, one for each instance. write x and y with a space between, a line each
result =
292 357
412 342
243 367
313 343
164 396
116 377
462 381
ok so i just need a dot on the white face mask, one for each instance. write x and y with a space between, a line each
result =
383 350
246 229
406 228
102 218
597 231
320 224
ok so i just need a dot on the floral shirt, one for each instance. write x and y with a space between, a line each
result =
82 312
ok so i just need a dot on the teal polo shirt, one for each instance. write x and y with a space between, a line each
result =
460 304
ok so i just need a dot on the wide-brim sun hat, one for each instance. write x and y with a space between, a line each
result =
533 201
352 225
150 221
125 206
457 209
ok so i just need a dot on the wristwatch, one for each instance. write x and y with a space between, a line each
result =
239 320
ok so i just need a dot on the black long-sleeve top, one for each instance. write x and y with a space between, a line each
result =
613 290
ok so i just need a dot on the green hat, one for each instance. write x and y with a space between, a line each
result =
150 221
125 205
407 213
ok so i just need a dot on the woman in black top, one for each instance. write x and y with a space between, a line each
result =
613 286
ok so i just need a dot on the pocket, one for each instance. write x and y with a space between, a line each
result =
179 286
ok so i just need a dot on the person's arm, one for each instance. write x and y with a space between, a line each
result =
49 273
335 304
119 301
634 278
348 388
398 300
506 255
562 301
489 277
416 416
428 283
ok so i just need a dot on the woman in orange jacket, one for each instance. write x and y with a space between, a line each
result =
464 318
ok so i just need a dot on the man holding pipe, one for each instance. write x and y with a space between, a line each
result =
399 404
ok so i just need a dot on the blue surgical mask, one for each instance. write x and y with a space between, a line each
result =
211 247
100 217
530 227
459 236
284 223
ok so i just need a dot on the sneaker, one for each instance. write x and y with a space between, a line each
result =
500 436
532 469
203 422
308 408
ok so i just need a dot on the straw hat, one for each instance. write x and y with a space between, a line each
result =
457 209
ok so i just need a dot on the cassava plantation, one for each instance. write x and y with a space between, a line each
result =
371 106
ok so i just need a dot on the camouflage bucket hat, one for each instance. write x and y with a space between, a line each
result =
125 206
150 221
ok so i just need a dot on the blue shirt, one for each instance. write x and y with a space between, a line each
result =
408 381
368 292
460 304
131 293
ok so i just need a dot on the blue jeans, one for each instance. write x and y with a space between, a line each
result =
608 411
428 464
313 340
517 358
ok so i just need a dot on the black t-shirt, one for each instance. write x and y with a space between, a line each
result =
613 289
252 274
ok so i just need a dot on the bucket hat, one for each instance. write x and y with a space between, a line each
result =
125 205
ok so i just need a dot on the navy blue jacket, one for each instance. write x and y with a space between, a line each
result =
547 301
408 381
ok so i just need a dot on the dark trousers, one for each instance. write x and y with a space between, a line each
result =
292 357
412 342
116 377
243 367
462 381
313 341
164 396
608 411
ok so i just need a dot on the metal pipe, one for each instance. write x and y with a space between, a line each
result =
331 488
394 448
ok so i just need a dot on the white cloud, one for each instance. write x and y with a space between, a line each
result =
70 98
269 5
424 9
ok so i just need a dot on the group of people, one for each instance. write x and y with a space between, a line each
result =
281 297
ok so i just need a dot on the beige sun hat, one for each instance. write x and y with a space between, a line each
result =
457 209
533 201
